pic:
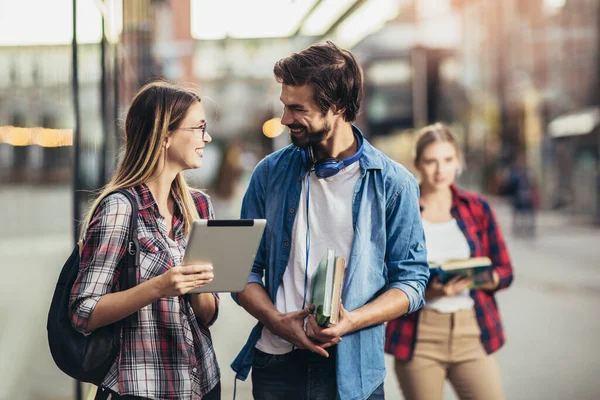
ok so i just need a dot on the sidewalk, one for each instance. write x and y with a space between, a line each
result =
559 238
553 300
30 267
35 210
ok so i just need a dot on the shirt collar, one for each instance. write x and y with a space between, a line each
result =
459 195
146 199
370 159
144 196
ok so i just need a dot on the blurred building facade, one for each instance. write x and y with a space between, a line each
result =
34 93
412 77
38 114
525 65
502 73
154 41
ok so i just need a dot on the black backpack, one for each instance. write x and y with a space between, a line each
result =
89 358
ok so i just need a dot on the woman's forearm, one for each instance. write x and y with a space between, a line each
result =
113 307
204 305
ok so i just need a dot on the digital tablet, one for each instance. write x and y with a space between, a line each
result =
230 245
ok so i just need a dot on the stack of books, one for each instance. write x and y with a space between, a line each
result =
479 269
327 286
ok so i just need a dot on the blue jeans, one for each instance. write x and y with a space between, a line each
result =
299 375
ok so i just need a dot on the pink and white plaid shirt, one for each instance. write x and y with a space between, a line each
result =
170 354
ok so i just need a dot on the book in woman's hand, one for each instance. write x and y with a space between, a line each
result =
479 269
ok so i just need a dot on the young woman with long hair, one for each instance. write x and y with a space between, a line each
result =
456 333
169 354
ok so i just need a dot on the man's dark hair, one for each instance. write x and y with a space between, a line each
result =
333 73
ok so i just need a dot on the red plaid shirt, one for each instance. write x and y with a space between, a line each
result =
478 223
170 354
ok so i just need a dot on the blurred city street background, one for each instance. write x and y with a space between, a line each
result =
512 78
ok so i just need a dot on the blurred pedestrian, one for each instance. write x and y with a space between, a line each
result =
456 333
522 188
169 354
329 189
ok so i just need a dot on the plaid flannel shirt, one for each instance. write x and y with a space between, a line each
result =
170 354
478 223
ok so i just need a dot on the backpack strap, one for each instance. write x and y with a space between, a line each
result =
128 276
102 393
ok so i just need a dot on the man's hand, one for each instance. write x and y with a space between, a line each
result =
290 326
332 334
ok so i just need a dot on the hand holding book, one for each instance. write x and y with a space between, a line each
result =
436 288
326 336
290 326
330 320
478 270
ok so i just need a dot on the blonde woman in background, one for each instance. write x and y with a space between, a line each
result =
456 333
169 354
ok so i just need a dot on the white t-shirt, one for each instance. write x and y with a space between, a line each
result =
330 221
445 241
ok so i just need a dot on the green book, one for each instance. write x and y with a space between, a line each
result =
327 288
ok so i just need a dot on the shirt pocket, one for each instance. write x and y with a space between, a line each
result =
154 258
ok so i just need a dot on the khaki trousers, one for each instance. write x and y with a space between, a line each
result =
448 346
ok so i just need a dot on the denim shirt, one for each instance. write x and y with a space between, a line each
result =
388 251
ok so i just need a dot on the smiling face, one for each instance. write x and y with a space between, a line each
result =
185 145
438 165
306 122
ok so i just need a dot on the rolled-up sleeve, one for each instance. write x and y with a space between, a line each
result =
217 300
406 252
253 207
103 247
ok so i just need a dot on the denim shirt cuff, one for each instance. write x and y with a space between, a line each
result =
415 297
253 278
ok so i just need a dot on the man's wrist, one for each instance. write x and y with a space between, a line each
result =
271 320
353 322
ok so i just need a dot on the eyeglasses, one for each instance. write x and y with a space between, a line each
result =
203 128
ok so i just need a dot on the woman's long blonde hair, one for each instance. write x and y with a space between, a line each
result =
156 110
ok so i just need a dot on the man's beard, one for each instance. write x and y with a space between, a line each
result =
309 138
